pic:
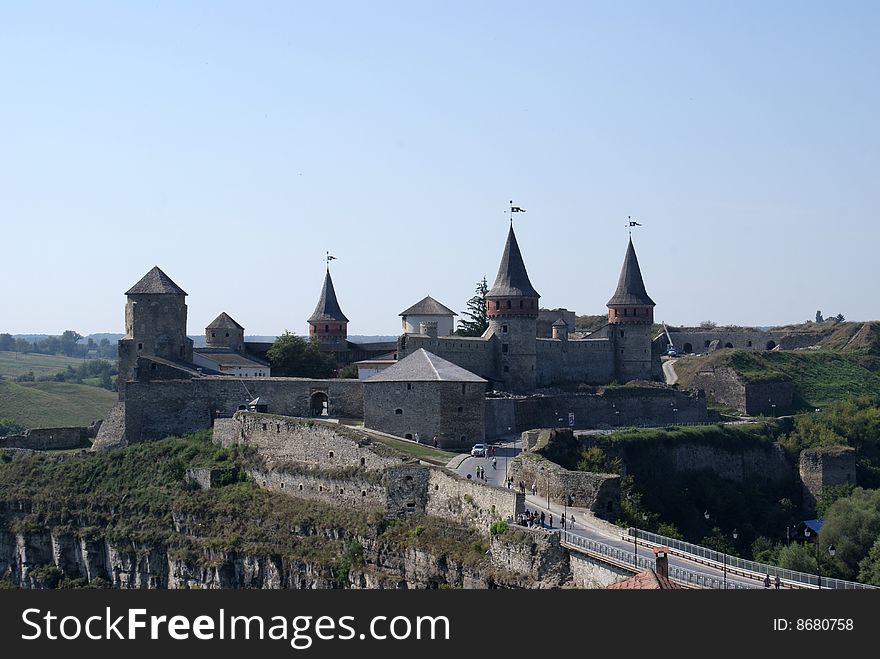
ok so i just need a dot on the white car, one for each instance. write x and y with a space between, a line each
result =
479 451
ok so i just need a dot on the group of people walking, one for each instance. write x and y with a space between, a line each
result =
533 518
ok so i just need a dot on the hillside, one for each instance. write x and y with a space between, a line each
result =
49 404
820 377
13 364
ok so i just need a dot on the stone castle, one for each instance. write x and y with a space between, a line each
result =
431 382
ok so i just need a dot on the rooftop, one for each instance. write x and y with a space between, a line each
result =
630 286
328 308
512 279
224 321
155 282
424 366
428 307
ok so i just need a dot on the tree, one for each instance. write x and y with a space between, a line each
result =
476 312
797 556
7 342
708 324
68 341
869 567
852 525
350 371
293 356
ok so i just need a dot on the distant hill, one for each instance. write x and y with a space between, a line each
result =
13 364
52 404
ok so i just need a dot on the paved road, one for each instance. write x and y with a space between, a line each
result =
669 373
586 524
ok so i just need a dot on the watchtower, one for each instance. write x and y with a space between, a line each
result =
630 316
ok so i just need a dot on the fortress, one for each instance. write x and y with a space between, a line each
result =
435 384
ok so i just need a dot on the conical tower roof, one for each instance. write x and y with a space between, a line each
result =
155 282
512 279
328 305
224 321
630 286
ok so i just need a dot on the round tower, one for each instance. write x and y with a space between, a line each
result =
512 310
328 325
630 316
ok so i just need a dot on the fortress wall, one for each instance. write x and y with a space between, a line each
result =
654 407
598 492
475 355
154 410
345 490
584 360
453 497
724 385
44 439
305 441
701 339
824 466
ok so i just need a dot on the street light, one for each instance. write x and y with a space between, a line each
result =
832 550
735 534
547 474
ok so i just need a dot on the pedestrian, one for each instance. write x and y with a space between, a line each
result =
508 484
542 518
417 438
563 522
551 520
767 581
477 470
571 522
777 582
493 462
435 441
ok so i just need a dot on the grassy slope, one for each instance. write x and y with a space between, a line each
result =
49 404
420 451
13 364
820 377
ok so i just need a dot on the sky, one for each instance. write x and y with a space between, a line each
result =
234 143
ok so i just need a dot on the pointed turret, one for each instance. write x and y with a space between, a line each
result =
512 279
328 322
630 302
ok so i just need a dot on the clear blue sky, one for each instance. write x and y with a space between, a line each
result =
233 143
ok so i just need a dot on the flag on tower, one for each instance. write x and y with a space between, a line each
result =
633 223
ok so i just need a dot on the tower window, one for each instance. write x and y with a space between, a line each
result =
140 346
398 411
621 334
463 389
213 335
507 368
504 329
504 348
626 312
409 386
521 304
497 305
460 409
227 335
508 304
326 328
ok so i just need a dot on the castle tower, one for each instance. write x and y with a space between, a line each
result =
155 325
328 325
630 316
224 332
512 309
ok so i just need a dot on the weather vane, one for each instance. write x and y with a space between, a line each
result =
514 209
328 259
631 223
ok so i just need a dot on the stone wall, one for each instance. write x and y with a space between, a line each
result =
616 407
724 385
531 551
45 439
341 488
703 341
600 493
154 410
309 442
474 354
574 360
587 572
823 466
453 497
431 409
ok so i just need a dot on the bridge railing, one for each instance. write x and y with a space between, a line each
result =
737 563
679 574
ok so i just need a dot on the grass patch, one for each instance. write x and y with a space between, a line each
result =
53 404
420 451
13 364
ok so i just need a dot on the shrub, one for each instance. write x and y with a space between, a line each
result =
498 528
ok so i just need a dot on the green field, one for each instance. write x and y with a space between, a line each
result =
53 404
13 364
819 377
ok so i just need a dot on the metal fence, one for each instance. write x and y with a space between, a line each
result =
679 574
734 562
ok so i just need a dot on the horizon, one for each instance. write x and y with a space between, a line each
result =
233 146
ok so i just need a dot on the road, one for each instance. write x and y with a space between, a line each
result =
586 524
669 373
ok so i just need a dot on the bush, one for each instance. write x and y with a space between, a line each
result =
498 528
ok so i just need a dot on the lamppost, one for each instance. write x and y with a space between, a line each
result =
735 534
547 474
636 542
832 550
